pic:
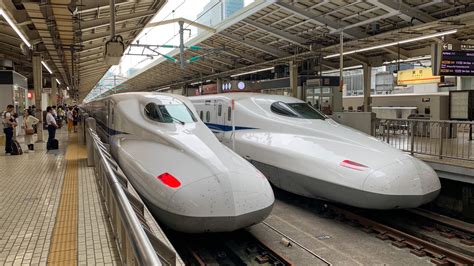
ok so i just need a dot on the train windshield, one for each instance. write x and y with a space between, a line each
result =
170 113
297 110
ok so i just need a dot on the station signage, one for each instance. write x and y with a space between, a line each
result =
417 76
457 63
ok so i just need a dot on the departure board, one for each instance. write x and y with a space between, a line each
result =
457 63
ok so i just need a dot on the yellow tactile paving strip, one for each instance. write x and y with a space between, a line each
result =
63 249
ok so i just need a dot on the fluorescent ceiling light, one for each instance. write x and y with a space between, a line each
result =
408 60
346 68
57 80
47 68
251 72
14 27
434 35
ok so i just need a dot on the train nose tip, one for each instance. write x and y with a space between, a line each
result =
407 183
217 204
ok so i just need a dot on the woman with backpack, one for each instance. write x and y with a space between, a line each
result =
29 121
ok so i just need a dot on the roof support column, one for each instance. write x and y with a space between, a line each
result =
53 99
219 85
337 92
367 69
38 86
294 78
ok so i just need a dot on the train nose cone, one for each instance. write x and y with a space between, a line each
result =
406 183
224 202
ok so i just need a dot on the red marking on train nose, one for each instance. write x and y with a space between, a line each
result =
353 165
169 180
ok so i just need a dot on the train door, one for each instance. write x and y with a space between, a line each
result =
220 109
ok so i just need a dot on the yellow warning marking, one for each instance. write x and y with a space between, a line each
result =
63 250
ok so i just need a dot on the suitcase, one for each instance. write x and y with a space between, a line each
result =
16 148
52 144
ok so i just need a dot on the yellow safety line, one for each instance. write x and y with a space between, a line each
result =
63 250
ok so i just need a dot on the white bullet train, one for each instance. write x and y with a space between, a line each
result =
304 152
190 181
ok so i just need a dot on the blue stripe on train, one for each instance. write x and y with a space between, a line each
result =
219 128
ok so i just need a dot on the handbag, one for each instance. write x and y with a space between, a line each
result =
29 131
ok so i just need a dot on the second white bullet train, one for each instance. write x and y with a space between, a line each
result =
302 151
191 182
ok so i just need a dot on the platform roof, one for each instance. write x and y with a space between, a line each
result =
264 34
269 33
63 29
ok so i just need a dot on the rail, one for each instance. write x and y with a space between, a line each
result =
133 242
443 139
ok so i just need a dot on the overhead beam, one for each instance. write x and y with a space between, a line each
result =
256 45
406 12
321 20
98 36
104 22
279 33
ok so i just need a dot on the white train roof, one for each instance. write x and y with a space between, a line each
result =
156 97
247 95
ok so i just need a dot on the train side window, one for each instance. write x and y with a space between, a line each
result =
208 116
201 115
219 110
229 113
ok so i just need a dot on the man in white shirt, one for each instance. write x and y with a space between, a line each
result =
54 112
51 122
8 125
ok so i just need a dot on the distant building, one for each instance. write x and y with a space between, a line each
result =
218 10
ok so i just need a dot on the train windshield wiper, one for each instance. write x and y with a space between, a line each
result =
177 120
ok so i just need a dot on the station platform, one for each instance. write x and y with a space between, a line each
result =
51 212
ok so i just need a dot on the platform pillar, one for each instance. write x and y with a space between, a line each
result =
54 89
294 78
38 87
367 88
219 85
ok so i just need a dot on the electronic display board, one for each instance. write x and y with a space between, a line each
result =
457 63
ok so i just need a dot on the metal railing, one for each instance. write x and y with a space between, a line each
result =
444 139
135 242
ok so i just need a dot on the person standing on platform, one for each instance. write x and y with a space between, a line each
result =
8 124
70 119
75 118
52 125
30 121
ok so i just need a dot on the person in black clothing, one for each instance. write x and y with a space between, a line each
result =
8 125
52 125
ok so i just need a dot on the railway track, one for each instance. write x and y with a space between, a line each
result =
236 248
446 226
439 252
410 229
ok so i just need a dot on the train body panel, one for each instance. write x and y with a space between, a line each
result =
315 156
178 167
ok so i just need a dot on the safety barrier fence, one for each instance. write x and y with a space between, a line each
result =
443 139
136 244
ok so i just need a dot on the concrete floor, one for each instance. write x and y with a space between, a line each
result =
336 242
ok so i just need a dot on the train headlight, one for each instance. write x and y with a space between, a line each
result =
169 180
353 165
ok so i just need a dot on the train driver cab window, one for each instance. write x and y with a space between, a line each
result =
170 113
208 116
297 110
229 113
219 110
